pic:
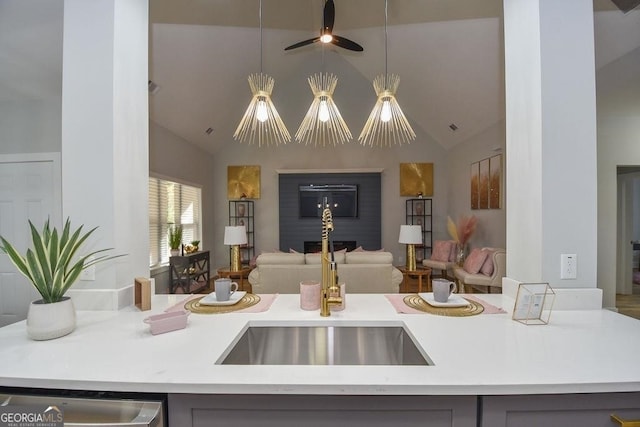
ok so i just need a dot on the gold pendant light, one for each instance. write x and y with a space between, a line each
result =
323 123
261 122
387 124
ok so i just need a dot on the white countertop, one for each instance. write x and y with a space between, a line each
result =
579 351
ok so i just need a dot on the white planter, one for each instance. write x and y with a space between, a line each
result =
174 252
49 321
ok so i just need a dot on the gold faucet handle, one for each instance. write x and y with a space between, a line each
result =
333 300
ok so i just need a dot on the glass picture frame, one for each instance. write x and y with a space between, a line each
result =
534 302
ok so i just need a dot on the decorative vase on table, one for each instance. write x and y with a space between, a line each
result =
47 321
461 254
419 208
241 209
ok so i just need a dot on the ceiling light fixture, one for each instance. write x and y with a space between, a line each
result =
323 123
387 123
261 122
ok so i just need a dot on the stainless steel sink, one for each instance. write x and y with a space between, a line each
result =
325 345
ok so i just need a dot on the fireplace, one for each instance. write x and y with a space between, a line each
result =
363 230
313 246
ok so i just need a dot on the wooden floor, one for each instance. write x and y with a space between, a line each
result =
629 304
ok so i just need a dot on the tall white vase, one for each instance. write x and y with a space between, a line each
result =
49 321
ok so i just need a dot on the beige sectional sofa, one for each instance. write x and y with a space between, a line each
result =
362 272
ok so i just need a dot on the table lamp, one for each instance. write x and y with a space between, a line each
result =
235 235
410 235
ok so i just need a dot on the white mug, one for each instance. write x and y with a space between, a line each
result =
442 289
224 289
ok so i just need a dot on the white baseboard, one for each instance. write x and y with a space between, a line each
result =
566 298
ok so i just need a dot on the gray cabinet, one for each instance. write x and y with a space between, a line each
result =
584 410
189 273
321 411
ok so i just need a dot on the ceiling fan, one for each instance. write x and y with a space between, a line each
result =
326 33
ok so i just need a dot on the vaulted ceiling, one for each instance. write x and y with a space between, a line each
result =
448 54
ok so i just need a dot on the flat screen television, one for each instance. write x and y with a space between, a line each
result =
342 199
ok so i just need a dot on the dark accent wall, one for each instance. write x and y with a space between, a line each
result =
365 229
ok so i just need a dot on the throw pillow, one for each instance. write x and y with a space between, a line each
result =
441 250
487 267
361 249
474 261
453 255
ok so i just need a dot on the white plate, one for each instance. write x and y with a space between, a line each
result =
454 300
233 299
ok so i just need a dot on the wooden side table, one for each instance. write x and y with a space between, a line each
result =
237 275
420 272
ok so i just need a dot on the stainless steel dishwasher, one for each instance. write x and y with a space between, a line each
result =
87 411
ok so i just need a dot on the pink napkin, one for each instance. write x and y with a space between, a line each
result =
263 305
397 301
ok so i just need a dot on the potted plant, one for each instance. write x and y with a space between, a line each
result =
175 239
52 266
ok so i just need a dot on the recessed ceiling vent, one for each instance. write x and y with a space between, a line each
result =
453 127
626 5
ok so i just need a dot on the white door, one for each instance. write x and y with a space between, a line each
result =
29 189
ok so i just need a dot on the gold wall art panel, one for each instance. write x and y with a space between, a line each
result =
486 183
416 179
243 182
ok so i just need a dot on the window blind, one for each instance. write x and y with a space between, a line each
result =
172 203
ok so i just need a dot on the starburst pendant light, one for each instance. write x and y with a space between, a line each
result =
261 122
387 124
323 123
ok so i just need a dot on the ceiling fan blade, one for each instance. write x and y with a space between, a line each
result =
302 43
329 17
346 43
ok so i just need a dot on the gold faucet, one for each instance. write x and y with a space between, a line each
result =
330 293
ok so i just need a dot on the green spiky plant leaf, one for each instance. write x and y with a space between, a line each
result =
175 236
51 264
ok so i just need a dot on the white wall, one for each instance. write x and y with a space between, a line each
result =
618 86
636 207
31 84
174 158
295 156
551 140
105 131
491 229
30 125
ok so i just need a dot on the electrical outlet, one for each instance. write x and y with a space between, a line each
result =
568 266
88 274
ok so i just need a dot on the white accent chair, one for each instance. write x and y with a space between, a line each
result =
442 258
470 281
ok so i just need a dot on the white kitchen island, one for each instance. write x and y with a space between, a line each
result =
483 365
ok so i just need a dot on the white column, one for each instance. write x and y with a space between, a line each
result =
105 131
551 140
